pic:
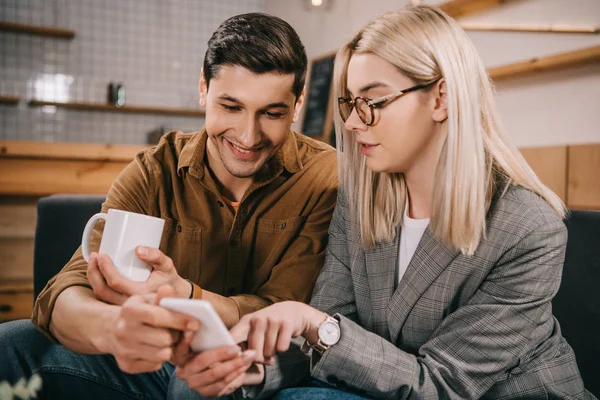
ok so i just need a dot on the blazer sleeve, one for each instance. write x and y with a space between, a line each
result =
472 347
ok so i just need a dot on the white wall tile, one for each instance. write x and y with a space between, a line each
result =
154 47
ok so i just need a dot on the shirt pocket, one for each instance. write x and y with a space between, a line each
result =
273 238
183 244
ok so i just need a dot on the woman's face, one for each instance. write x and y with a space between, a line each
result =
406 130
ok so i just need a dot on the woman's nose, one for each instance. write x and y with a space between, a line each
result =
354 123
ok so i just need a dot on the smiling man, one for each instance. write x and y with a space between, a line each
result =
247 204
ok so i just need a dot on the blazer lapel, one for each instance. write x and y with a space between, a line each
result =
428 262
381 262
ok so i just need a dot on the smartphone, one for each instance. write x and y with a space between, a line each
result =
212 333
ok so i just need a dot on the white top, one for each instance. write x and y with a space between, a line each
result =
412 231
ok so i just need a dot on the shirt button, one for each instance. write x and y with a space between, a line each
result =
220 203
179 228
283 226
231 291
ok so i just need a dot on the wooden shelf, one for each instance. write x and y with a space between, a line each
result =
124 109
11 100
459 8
39 30
531 28
587 55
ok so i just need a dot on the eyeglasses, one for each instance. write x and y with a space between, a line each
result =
365 108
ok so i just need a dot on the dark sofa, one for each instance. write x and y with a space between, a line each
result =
61 219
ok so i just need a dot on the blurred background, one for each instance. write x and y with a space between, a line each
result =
86 84
155 48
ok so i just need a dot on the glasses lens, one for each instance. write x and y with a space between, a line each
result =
344 107
363 110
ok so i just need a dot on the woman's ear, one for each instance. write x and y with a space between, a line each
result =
440 110
202 89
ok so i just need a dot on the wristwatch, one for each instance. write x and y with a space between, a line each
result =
329 334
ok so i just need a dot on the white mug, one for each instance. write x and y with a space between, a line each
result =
123 232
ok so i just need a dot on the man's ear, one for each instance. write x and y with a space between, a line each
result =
440 110
202 88
298 105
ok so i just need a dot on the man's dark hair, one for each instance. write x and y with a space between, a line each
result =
260 43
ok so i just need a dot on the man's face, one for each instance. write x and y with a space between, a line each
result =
248 116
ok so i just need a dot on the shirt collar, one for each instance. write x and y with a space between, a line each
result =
193 155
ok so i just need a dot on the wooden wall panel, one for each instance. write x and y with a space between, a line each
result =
17 231
44 177
584 177
16 259
550 165
16 301
18 217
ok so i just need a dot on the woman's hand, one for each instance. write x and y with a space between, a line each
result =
221 371
270 330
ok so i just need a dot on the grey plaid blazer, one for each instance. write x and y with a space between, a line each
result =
455 326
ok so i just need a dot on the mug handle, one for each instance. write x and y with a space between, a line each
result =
87 234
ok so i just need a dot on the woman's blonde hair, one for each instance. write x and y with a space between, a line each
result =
426 45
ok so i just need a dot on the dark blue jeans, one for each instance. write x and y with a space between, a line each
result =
316 390
24 351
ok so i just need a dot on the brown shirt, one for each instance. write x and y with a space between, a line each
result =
270 250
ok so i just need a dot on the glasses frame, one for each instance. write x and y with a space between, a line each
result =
379 102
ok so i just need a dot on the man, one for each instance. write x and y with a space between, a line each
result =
247 204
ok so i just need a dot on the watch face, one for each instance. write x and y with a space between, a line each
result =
329 333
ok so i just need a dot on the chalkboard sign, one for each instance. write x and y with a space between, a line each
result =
317 118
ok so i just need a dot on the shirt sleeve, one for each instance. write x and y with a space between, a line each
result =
129 192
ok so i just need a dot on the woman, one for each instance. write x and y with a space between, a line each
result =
445 249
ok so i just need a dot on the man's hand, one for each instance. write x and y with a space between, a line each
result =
144 334
113 288
219 372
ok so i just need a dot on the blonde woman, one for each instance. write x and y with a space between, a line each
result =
445 249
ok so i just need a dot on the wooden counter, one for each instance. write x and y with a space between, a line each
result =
40 169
